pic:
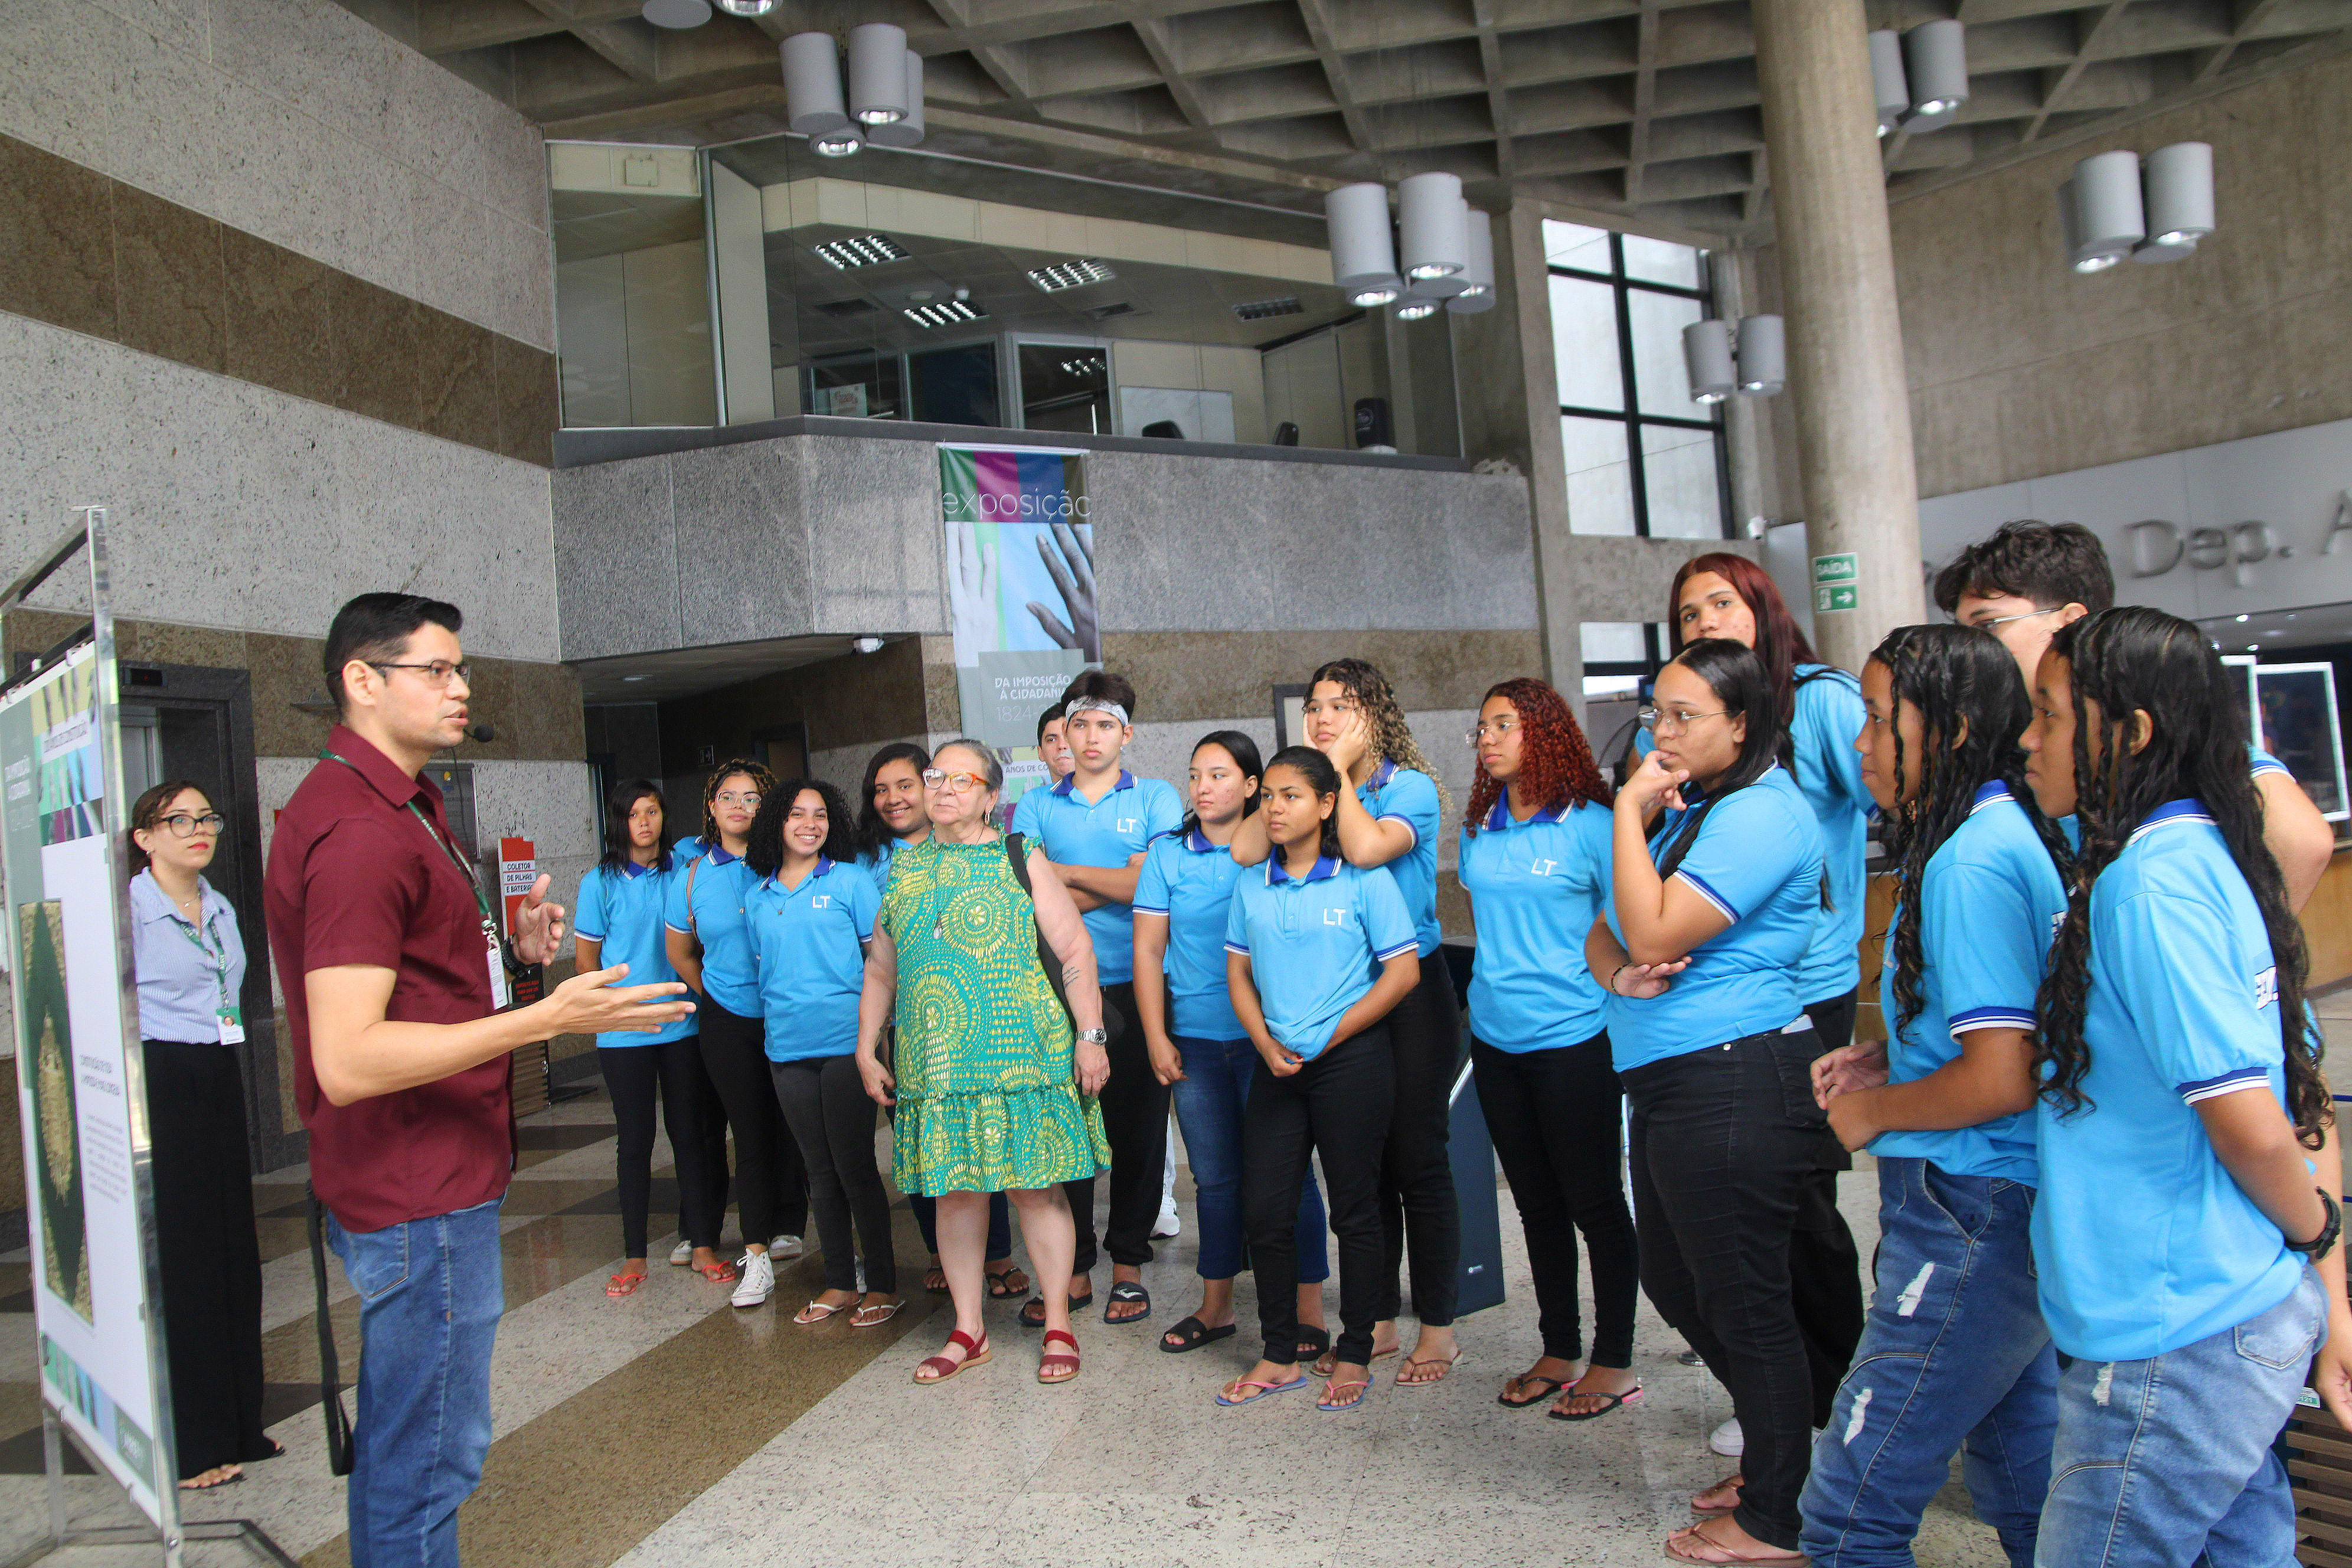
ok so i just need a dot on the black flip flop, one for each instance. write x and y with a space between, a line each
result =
1032 1312
1192 1335
1126 1291
1630 1396
1000 1282
1556 1384
1312 1343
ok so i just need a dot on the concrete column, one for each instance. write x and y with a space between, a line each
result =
1846 333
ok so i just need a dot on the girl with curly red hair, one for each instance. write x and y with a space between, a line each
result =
1535 863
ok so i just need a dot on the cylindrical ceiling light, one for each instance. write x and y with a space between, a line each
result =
1763 355
1416 308
1887 78
877 73
2180 186
1363 251
812 101
1936 59
1452 283
1479 278
2107 211
906 133
747 7
675 14
1432 225
838 144
1707 354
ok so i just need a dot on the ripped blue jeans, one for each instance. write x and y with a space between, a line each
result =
1954 1356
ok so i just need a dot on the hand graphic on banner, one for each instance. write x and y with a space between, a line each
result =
971 595
1070 561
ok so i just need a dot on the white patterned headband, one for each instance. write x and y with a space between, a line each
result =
1096 705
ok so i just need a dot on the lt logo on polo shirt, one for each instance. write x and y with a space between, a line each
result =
2266 987
821 901
1543 867
1336 917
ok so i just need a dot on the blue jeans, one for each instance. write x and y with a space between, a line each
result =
1209 1101
431 1292
2169 1461
1953 1355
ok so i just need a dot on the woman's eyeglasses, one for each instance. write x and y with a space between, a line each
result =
1497 728
748 799
1674 721
183 826
959 783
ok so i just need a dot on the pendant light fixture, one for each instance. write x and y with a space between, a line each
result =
2180 195
2116 207
885 103
1434 225
1363 251
747 8
1763 355
2108 214
675 15
1935 61
909 132
1706 356
812 99
1479 278
877 73
1892 87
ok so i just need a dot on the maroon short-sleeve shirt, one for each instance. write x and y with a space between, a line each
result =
354 877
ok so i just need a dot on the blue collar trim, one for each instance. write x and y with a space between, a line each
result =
719 857
1199 844
1068 786
2183 810
1500 817
1382 775
1325 868
1988 793
822 865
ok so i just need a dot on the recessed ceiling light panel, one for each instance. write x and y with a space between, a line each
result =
943 313
860 250
1074 274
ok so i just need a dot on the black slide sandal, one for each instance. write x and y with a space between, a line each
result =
1312 1342
1032 1312
1126 1291
1192 1333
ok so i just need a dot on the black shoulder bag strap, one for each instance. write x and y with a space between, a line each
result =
1114 1024
330 1393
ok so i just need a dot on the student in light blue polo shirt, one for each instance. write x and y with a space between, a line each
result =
1707 921
1093 826
810 916
1954 1351
710 947
1535 862
1318 952
2180 1216
1198 1045
618 920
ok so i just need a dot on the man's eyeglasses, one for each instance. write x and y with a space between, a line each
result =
183 826
1986 626
436 673
959 783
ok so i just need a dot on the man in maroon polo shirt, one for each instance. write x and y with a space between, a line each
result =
394 979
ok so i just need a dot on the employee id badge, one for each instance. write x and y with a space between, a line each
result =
500 997
232 1026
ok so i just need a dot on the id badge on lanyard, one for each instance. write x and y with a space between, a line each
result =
228 1017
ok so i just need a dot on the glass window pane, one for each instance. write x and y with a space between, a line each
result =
1611 685
1685 484
1069 388
1600 479
1573 245
1655 261
1661 378
955 385
1615 642
1584 344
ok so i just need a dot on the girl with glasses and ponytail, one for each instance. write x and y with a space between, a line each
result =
2187 1252
1698 948
1954 1351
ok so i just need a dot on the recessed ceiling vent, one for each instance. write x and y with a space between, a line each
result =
1105 312
1259 309
842 308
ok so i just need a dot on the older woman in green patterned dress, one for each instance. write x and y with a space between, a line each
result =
994 1093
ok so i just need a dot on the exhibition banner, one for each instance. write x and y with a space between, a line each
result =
81 1096
1021 587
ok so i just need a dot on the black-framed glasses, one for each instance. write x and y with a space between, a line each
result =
436 673
183 826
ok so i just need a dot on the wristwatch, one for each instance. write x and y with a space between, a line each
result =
2319 1245
1095 1037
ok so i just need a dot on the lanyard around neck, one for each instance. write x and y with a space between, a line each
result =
472 886
217 954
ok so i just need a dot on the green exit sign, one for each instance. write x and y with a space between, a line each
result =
1836 582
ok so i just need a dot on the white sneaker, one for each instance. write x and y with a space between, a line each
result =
1168 1224
785 1246
1727 1440
758 1282
861 1277
681 1255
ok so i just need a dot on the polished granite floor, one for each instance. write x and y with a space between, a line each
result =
666 1428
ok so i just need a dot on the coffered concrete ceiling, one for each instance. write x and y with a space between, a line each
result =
1632 110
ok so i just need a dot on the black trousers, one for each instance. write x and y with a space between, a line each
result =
1335 1106
1134 1119
1418 1213
1824 1265
210 1257
669 1075
1724 1141
771 1188
824 1103
1554 1117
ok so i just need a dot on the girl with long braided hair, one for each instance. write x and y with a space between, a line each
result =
1954 1351
1535 864
2187 1259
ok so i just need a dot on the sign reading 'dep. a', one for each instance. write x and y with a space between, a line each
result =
1837 581
77 1093
1021 591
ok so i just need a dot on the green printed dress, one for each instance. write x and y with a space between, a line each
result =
986 1098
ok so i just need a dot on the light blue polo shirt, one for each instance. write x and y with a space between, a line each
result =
1188 882
730 976
1408 796
877 863
1989 902
1758 859
807 943
2142 1241
1829 771
623 910
1314 942
1536 887
1130 814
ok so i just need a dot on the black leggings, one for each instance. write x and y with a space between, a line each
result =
824 1103
770 1189
1554 1117
1824 1265
1334 1106
1134 1119
636 1076
1417 1205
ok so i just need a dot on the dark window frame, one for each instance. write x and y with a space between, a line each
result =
1631 415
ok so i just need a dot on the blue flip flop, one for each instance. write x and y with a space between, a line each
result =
1356 1403
1262 1390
